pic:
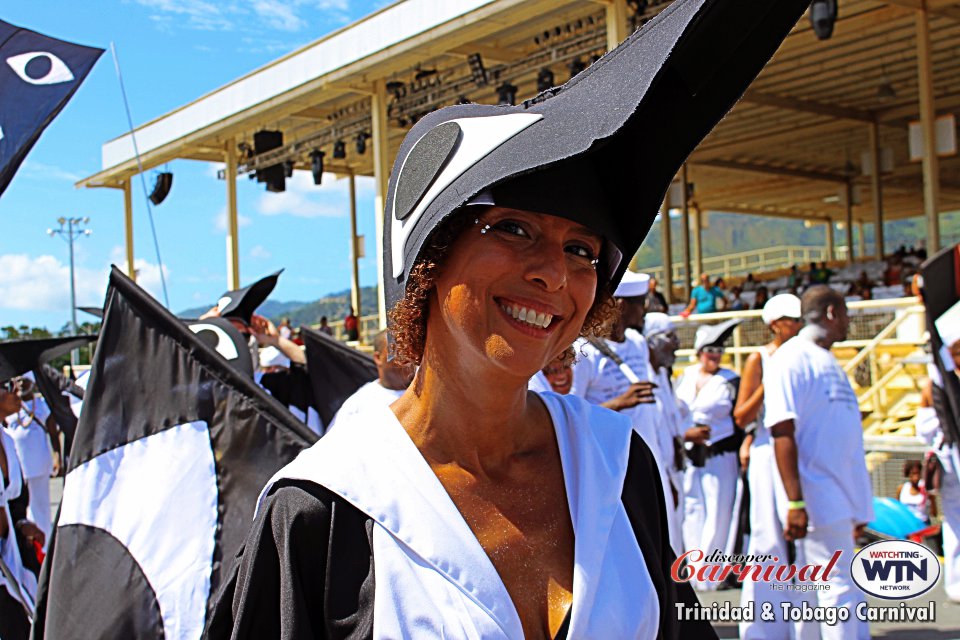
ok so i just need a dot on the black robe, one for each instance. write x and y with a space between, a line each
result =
307 567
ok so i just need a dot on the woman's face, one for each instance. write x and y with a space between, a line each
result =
9 402
560 377
515 289
710 359
786 328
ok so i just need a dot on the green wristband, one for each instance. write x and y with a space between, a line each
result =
796 504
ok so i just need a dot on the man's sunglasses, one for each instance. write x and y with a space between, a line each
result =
713 351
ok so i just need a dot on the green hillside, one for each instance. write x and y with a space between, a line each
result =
733 233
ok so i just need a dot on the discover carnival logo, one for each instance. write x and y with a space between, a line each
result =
895 569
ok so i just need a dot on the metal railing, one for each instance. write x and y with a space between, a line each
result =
756 261
882 333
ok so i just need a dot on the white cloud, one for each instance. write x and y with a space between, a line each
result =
220 221
304 199
259 252
42 283
208 15
279 14
42 171
195 14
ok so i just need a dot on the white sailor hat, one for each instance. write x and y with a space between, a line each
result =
783 305
273 357
654 323
632 284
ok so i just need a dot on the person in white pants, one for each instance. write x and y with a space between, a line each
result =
708 391
814 418
781 314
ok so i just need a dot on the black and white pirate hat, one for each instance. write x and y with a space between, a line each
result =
242 303
714 335
18 357
600 150
226 340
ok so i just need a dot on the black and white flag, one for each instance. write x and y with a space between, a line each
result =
174 445
336 371
38 76
941 297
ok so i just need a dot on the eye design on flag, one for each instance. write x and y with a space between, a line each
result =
40 68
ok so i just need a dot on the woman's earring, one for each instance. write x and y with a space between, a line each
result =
485 228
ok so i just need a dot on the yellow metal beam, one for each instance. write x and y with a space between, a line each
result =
381 176
128 227
233 229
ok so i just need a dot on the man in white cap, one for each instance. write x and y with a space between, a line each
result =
613 372
782 315
814 418
663 343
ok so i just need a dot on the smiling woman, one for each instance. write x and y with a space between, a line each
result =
471 507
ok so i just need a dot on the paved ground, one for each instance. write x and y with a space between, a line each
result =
947 626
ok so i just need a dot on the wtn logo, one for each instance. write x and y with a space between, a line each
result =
902 570
895 569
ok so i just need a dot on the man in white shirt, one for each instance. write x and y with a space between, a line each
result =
663 343
392 380
623 386
814 418
33 433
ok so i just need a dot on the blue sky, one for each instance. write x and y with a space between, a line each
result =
171 52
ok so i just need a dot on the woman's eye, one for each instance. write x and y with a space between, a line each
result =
582 252
511 227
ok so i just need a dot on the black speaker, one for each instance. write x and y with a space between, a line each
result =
275 175
161 187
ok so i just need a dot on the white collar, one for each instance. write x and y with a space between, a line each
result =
388 479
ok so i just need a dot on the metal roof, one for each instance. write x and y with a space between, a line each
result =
789 148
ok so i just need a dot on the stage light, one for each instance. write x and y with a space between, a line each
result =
576 66
397 88
507 93
545 80
823 15
361 142
477 71
339 150
274 176
316 166
161 187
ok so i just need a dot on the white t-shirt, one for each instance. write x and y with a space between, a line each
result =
597 379
803 382
372 394
27 428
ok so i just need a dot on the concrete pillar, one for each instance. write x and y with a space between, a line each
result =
876 189
354 249
931 164
666 239
616 23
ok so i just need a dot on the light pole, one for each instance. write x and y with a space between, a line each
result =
70 229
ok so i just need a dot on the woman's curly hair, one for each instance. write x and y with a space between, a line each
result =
408 318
